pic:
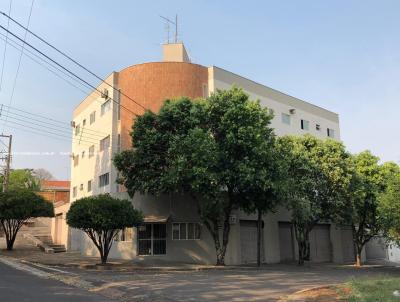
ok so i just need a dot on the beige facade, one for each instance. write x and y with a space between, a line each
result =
174 218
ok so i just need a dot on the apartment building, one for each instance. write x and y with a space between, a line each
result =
172 230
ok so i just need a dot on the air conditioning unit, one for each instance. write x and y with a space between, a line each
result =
104 94
292 111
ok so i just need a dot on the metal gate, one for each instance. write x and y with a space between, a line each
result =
320 244
248 241
286 242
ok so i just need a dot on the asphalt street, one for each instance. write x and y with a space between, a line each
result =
21 286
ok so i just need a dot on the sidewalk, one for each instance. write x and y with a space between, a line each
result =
76 260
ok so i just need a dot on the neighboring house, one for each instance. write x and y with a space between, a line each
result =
172 230
57 192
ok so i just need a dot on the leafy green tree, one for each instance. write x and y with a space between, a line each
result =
361 210
389 209
21 179
16 207
208 149
101 217
318 172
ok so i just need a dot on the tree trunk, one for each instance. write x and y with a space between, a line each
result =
302 237
259 231
10 244
358 255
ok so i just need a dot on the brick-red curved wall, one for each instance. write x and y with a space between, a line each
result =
151 84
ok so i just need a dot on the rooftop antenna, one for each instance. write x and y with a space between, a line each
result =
167 24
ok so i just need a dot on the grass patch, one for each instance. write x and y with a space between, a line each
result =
373 289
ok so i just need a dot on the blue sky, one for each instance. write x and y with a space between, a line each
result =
341 55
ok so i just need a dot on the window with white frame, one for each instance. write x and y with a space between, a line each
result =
92 117
105 107
74 191
76 160
124 235
186 231
104 180
330 132
81 187
91 151
286 118
105 143
84 123
89 185
305 125
77 129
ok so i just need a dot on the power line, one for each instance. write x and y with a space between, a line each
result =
18 47
5 47
66 69
71 59
20 58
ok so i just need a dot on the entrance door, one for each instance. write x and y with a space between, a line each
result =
58 229
248 241
286 241
348 247
152 239
320 244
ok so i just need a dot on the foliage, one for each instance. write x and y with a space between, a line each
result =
389 208
21 179
101 217
42 174
361 210
318 174
16 207
210 149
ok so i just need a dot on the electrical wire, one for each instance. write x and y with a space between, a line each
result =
66 69
20 58
5 48
71 59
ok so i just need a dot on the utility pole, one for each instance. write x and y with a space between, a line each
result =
7 158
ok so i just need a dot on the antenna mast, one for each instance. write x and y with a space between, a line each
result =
167 24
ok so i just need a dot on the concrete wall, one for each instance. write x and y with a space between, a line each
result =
280 103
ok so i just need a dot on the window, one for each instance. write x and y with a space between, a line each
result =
89 185
77 129
81 187
286 118
76 160
105 107
104 180
330 132
317 127
105 143
152 239
186 231
91 151
271 112
205 90
119 143
84 123
125 235
92 117
305 125
74 191
83 154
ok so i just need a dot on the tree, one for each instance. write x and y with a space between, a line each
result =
389 209
21 179
16 207
318 172
42 174
101 217
361 210
208 149
264 188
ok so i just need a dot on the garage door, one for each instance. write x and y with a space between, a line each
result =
376 249
248 241
286 241
348 248
320 244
